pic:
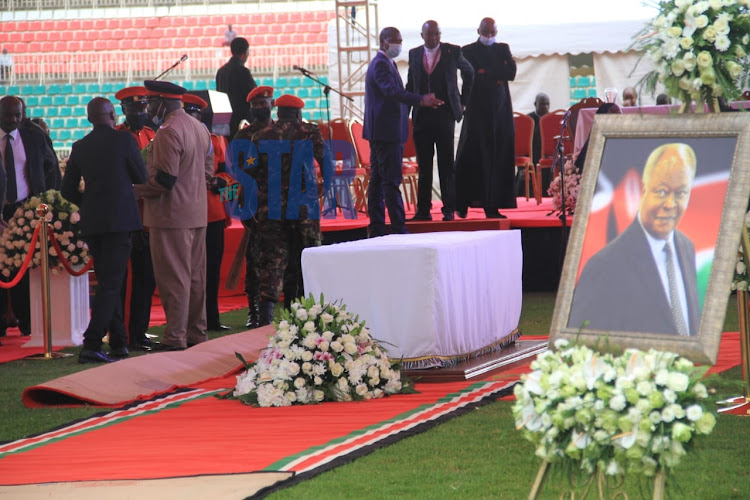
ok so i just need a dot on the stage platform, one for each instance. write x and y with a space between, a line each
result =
541 236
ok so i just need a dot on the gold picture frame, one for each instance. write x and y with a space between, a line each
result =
622 299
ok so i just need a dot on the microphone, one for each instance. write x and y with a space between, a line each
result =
184 58
300 69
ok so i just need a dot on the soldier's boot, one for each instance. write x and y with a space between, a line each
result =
266 312
253 311
290 293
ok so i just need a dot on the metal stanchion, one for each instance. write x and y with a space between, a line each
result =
41 213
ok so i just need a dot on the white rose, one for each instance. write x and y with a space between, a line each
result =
337 346
299 382
350 348
722 43
336 369
326 318
307 356
323 346
328 335
317 380
678 382
301 314
318 396
309 326
361 389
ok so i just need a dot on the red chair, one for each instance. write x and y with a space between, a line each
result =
410 170
549 129
588 102
524 128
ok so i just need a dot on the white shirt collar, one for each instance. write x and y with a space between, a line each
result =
13 134
657 245
432 52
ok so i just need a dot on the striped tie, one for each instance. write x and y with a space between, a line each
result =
674 294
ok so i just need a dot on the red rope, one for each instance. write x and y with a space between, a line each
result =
26 262
63 260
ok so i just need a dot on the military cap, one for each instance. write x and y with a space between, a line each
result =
165 90
262 91
192 101
290 101
131 94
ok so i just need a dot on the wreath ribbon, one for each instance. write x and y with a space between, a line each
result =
26 262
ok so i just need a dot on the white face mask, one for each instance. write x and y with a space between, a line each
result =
394 50
156 119
486 40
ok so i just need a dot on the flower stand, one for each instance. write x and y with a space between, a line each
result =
69 307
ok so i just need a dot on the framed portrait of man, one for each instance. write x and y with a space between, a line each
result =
654 240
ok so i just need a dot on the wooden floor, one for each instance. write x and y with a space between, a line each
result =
508 358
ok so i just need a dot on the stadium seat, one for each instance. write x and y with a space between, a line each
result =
27 90
65 111
14 90
58 100
295 81
201 85
51 112
71 123
212 85
107 88
45 100
79 134
73 46
53 89
591 92
188 84
72 100
53 136
79 88
579 93
37 112
584 81
66 89
63 135
57 123
32 101
81 110
303 92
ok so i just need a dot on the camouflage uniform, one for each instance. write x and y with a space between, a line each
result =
280 242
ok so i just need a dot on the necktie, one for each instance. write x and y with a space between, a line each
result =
674 294
11 192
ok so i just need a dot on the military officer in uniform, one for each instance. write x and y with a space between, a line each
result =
261 103
179 163
133 103
281 239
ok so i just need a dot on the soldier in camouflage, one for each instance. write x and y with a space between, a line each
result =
281 241
261 103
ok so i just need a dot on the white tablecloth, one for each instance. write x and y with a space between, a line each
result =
433 296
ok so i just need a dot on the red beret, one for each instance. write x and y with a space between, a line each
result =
194 100
290 101
262 91
133 93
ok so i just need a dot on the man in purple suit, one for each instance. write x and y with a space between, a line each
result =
387 127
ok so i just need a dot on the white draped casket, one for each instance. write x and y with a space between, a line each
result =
433 299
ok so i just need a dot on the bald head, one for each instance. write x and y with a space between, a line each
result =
11 113
101 112
629 96
431 34
487 28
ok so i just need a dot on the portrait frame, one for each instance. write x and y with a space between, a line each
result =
618 146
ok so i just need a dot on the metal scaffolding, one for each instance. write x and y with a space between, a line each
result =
356 40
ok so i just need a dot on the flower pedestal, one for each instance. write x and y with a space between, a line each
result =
69 308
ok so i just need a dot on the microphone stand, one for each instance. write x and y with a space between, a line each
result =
559 162
180 61
326 91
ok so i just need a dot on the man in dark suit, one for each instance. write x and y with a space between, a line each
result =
486 158
110 163
432 69
645 279
387 127
236 81
30 169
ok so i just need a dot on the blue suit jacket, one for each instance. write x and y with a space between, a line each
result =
620 288
110 163
386 102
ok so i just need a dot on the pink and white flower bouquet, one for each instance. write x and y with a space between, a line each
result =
319 352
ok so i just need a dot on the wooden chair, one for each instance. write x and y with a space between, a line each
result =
524 128
362 178
549 129
588 102
410 171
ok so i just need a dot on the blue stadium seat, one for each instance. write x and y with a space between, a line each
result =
212 85
579 94
58 100
573 82
591 92
78 134
108 88
92 88
53 136
65 111
584 81
51 112
58 145
37 112
2 90
53 89
84 122
64 135
295 81
40 89
66 89
79 111
56 123
593 81
27 90
316 92
79 88
303 92
189 85
45 100
32 101
71 123
13 90
280 83
201 85
72 100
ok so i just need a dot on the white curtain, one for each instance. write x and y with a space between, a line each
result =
613 70
545 73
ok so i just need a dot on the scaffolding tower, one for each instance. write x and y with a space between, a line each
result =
356 40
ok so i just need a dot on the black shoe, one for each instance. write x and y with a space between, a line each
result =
162 347
448 217
26 333
144 344
493 214
253 311
92 356
3 333
462 213
219 328
418 217
266 312
119 353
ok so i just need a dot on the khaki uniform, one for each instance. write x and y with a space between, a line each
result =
179 154
280 242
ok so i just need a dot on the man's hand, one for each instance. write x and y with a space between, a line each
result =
430 101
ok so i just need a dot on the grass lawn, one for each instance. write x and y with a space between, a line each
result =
477 455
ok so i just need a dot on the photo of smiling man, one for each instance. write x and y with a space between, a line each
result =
645 279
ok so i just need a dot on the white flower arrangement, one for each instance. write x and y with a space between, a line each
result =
572 186
63 218
740 280
634 414
319 353
699 48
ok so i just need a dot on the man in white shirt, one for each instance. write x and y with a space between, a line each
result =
645 279
6 65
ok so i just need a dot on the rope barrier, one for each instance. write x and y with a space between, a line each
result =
26 262
63 260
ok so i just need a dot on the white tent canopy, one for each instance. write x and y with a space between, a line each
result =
541 50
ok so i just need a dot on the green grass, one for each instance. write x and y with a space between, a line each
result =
477 455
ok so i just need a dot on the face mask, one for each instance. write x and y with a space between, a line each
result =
137 122
158 120
394 49
486 40
262 114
